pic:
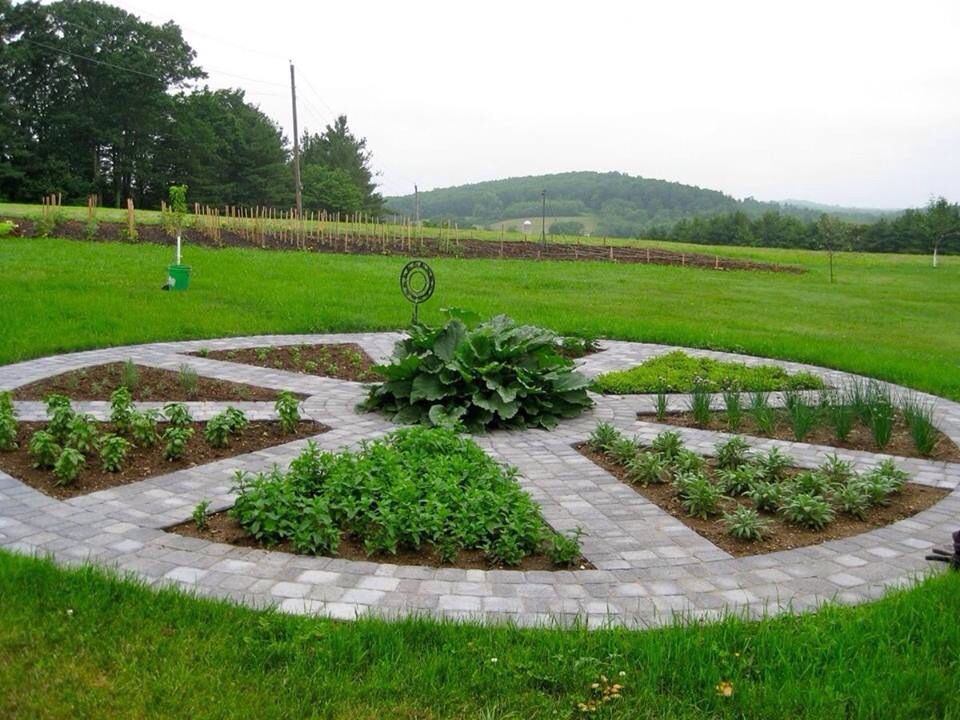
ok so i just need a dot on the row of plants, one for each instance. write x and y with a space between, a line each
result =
494 374
416 488
678 372
70 439
340 360
741 485
868 405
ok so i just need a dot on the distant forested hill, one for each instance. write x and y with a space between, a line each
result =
617 204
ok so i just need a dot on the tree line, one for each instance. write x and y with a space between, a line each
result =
95 101
933 229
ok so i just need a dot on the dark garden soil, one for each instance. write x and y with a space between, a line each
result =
860 438
779 534
97 382
346 361
224 529
144 462
463 248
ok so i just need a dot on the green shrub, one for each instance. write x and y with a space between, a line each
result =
218 431
744 523
774 464
676 372
143 428
564 549
414 487
8 423
836 470
733 454
623 450
739 480
809 482
667 445
687 461
113 452
175 441
853 499
700 399
919 418
82 435
810 511
648 468
495 374
44 449
68 466
121 409
603 437
766 495
288 410
701 498
60 414
177 414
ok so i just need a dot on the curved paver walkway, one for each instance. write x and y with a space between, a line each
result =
649 565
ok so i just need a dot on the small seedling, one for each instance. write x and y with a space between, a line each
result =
602 437
744 523
200 514
189 381
129 376
700 399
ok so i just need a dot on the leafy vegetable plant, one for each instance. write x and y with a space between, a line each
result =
68 466
175 441
479 375
744 523
113 452
8 423
288 409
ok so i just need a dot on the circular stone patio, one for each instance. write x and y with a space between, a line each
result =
649 565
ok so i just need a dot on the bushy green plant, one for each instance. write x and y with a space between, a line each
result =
853 499
623 450
687 461
414 487
700 400
60 414
648 468
701 498
236 419
175 440
774 465
113 452
288 410
8 423
218 431
200 514
82 434
493 374
809 482
603 437
883 481
738 480
68 466
177 414
121 409
761 411
919 418
802 414
808 510
667 445
143 428
44 449
836 470
744 523
766 496
733 454
563 549
733 407
676 372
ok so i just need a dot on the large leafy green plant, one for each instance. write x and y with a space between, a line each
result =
480 375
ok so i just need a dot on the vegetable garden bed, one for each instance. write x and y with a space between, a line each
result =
144 383
344 361
749 504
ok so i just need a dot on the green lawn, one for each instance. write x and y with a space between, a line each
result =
82 644
889 316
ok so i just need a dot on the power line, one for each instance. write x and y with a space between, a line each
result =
90 59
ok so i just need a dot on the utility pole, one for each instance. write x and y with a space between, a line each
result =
416 193
296 144
543 220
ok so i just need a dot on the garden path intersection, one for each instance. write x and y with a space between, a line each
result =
649 566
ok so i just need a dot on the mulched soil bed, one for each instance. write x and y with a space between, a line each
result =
465 248
860 438
779 534
97 382
346 361
142 463
224 529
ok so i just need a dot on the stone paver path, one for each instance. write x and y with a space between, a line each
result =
650 566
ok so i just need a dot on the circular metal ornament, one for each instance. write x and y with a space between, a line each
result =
417 283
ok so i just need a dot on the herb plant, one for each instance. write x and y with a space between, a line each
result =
700 399
492 374
603 437
744 523
811 511
288 410
143 428
177 414
200 513
733 454
8 423
44 448
121 409
175 441
68 466
113 452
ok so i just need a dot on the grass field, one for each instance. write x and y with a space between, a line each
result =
889 316
82 644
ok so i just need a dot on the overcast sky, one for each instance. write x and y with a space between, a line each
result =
852 103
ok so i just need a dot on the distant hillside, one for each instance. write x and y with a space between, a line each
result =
613 204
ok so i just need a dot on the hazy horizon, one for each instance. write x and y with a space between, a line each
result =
845 105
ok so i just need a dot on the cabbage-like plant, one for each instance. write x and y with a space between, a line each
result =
479 375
